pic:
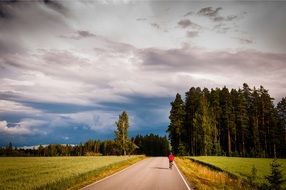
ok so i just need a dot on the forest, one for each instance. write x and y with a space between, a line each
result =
238 122
150 145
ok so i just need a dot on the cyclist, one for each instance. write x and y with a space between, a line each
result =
171 159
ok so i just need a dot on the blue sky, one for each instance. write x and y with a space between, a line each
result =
69 68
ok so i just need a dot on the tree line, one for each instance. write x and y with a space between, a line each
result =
241 122
150 145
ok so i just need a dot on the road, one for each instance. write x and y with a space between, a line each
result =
148 174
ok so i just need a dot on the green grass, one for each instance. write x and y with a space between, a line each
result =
58 172
242 167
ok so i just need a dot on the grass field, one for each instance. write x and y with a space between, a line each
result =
58 172
242 167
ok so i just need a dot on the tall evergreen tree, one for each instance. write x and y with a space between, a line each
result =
191 106
227 120
254 107
281 111
215 105
177 118
204 121
242 123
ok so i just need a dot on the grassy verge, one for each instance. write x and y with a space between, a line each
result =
205 178
59 172
241 167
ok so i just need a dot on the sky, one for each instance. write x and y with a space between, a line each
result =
69 68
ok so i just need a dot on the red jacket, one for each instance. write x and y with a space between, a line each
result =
171 157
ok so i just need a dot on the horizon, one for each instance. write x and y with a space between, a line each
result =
68 69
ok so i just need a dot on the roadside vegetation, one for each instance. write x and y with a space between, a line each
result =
59 172
224 172
204 178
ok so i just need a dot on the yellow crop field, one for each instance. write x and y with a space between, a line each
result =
57 172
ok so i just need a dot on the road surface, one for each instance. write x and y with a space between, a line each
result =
148 174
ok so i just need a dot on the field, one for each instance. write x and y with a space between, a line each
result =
58 172
242 167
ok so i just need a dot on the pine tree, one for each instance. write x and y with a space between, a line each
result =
281 113
254 109
242 123
227 120
177 117
190 131
217 112
275 179
204 121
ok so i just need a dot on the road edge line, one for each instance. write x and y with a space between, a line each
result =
110 175
182 177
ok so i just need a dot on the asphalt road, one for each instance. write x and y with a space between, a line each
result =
149 174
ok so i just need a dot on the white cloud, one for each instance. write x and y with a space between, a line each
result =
24 127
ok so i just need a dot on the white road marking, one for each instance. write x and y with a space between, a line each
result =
182 176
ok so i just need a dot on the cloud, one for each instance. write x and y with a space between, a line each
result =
184 23
214 14
209 12
188 14
221 28
155 25
10 107
57 6
192 34
5 10
141 19
80 34
85 34
238 64
245 41
25 127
